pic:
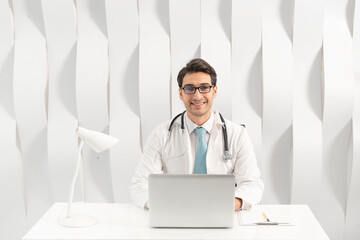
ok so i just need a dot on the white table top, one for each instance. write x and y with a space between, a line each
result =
126 221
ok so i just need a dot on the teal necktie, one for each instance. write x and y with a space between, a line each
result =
200 159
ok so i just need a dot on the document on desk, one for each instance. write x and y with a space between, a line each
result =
258 216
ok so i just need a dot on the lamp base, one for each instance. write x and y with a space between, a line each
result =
78 221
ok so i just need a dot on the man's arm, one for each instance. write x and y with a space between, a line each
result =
250 187
150 162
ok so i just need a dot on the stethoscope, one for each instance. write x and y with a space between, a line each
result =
227 154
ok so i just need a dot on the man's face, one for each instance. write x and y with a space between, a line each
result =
198 104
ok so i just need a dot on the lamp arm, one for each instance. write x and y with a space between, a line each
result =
76 172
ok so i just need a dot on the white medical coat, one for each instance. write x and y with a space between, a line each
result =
170 152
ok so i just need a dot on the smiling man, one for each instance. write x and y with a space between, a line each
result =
193 142
197 103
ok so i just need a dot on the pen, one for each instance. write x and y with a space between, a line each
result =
266 218
268 224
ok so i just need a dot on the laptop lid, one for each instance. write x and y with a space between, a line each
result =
191 200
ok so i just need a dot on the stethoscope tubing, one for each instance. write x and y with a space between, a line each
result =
227 155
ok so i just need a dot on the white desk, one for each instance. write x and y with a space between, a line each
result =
126 221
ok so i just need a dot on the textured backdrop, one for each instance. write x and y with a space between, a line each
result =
288 69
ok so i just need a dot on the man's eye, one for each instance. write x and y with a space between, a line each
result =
202 88
189 88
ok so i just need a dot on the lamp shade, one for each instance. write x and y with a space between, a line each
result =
96 140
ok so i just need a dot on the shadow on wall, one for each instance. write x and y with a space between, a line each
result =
287 16
130 87
225 17
336 170
350 12
37 179
67 84
254 84
98 14
162 7
314 85
197 54
280 166
6 87
34 11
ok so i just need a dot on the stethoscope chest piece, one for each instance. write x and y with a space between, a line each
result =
227 156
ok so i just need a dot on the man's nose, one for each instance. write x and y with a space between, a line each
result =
197 94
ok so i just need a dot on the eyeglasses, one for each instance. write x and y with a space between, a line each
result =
192 90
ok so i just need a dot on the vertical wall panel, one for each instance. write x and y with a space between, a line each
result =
307 100
92 69
215 48
277 99
12 207
30 79
123 27
154 63
352 222
60 28
246 69
338 79
185 43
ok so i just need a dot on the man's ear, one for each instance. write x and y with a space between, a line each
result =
215 91
180 94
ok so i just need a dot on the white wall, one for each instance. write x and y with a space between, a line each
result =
288 69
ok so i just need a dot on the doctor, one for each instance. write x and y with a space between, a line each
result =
194 142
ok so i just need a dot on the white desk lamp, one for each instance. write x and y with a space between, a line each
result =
99 142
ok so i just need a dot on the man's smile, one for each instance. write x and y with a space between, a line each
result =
198 103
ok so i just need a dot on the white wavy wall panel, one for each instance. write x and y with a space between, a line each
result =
277 99
352 222
216 48
154 65
123 35
29 88
183 47
307 102
92 78
12 204
338 93
246 71
60 29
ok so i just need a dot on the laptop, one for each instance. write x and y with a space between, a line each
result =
191 200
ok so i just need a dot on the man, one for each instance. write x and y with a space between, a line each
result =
171 149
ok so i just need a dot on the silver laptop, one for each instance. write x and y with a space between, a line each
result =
191 200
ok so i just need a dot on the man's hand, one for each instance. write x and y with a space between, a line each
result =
238 203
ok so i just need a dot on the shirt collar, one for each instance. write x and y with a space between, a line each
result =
207 125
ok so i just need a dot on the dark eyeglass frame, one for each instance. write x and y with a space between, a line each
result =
197 88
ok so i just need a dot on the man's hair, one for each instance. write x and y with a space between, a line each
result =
197 65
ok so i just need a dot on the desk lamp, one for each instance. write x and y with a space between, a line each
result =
99 142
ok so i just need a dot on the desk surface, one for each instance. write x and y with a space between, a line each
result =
126 221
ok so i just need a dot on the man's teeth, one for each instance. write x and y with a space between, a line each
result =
198 104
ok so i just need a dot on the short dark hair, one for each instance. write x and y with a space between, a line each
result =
197 65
